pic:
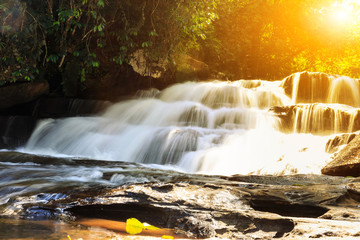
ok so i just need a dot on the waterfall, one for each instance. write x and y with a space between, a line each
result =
324 119
308 87
216 127
344 90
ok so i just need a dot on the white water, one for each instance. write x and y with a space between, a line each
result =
325 88
209 127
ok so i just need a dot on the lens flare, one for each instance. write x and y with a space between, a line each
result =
344 14
341 16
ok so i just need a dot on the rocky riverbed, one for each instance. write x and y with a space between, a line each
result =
193 205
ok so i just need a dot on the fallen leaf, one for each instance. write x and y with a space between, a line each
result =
134 226
167 237
150 227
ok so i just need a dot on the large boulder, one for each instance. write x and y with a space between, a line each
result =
335 143
346 162
189 68
19 93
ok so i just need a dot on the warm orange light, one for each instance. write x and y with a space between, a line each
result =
341 16
344 13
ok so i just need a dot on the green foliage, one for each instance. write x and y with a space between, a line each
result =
41 35
242 38
272 39
20 37
38 36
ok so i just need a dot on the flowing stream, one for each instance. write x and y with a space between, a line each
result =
240 127
213 127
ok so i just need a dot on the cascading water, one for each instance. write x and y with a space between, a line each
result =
242 127
213 127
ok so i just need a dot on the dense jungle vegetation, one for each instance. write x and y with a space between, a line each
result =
269 39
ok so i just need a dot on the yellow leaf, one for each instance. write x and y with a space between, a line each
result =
150 227
167 237
134 226
69 237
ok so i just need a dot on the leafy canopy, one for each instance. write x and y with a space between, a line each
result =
241 38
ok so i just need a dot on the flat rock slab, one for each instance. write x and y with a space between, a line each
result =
193 205
237 207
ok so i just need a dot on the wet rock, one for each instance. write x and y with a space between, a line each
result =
57 107
311 86
338 141
191 68
148 93
14 94
199 228
200 206
68 107
144 67
346 162
228 211
317 118
15 130
288 209
280 226
200 212
234 207
39 213
18 122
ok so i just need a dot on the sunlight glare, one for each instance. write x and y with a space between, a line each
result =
342 16
342 13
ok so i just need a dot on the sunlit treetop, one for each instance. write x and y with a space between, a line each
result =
331 38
